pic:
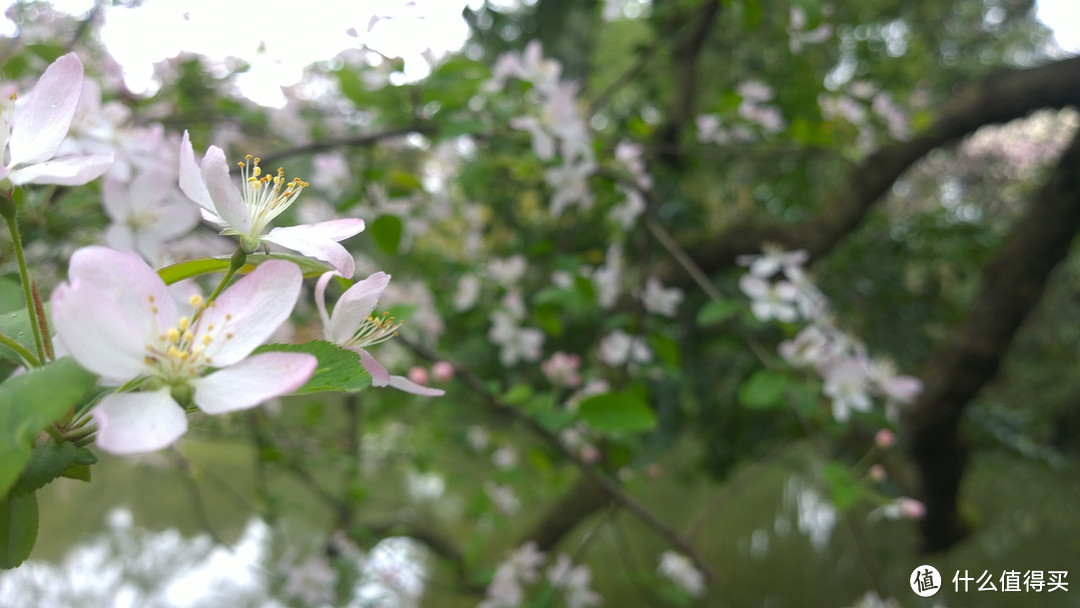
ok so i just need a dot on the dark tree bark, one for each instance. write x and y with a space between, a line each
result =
998 98
1011 285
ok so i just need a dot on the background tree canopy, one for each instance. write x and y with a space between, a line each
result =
584 213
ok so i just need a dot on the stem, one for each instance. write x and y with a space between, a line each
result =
43 323
8 211
236 262
28 357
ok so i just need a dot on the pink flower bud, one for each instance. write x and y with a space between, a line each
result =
443 371
653 470
418 375
885 439
590 453
911 508
877 472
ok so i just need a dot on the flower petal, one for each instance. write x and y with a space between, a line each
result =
354 307
319 241
128 281
245 315
93 328
404 384
320 300
66 171
42 123
379 376
228 202
191 181
130 423
253 381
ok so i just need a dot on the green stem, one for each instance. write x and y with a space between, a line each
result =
236 262
28 357
24 275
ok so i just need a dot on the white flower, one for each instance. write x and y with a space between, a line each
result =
772 260
246 213
659 300
117 319
31 135
619 348
352 326
574 581
143 215
681 571
848 385
770 301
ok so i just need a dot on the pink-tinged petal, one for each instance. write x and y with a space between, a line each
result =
191 180
320 301
129 282
42 123
116 200
404 384
245 315
355 306
379 376
319 241
172 221
754 287
253 381
131 423
67 171
95 331
228 202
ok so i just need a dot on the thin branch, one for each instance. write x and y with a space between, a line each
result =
605 483
367 139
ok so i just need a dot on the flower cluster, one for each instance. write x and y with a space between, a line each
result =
851 377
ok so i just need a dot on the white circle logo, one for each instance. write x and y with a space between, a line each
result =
925 581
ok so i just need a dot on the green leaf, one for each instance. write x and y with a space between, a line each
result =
386 232
518 394
192 268
764 390
18 529
339 368
717 311
615 412
665 348
30 402
844 490
49 461
200 266
401 184
16 325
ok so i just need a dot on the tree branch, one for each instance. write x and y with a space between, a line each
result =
685 59
1011 285
998 98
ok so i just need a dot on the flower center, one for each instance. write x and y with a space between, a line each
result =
375 330
180 352
267 195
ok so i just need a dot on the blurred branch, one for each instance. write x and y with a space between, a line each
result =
367 139
998 98
594 475
1012 284
685 58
